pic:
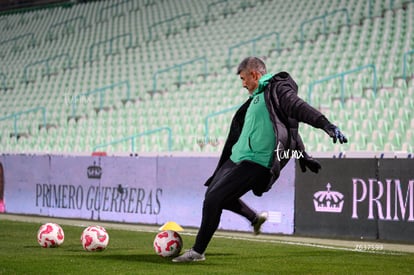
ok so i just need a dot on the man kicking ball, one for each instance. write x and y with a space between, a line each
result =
266 122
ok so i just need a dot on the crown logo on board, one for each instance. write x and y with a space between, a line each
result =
328 201
94 171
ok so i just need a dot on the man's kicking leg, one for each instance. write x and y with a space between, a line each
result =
231 182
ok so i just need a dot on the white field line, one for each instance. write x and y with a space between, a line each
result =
331 247
192 232
373 251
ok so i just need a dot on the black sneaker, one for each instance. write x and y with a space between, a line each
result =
261 218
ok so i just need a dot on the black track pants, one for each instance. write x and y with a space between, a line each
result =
230 183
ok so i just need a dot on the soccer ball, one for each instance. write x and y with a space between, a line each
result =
168 243
50 235
94 238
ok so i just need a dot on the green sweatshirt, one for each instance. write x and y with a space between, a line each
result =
257 139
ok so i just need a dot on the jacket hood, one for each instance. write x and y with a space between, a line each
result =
263 81
285 78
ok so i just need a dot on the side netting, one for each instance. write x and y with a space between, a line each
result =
142 190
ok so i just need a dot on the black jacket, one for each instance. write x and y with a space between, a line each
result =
286 110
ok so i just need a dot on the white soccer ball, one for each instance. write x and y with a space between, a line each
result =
94 238
50 235
168 243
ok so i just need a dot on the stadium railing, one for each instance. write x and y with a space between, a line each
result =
66 25
169 21
3 81
16 47
342 77
112 7
16 116
47 61
101 92
207 16
253 42
179 67
133 137
110 41
323 18
209 116
405 63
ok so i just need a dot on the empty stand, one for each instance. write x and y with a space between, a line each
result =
70 60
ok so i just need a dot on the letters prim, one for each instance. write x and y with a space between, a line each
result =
388 200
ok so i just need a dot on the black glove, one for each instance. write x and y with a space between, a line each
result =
308 161
335 133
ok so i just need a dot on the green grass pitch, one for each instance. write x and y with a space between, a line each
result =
131 252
